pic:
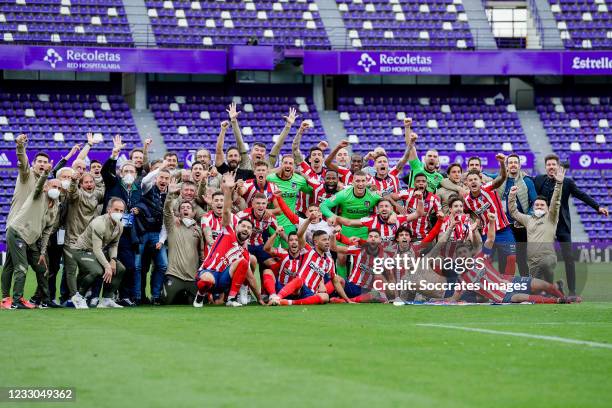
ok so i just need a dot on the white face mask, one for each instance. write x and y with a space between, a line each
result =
188 222
65 184
128 179
116 216
53 193
539 213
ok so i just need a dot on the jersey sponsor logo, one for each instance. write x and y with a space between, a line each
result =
482 209
316 268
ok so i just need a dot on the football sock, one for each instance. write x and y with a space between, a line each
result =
203 287
541 299
239 276
310 300
269 284
293 286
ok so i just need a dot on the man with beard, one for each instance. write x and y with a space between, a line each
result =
258 185
452 185
432 162
149 222
545 186
321 191
420 227
384 221
185 245
281 273
232 157
526 195
84 197
212 221
258 152
316 266
345 174
483 200
22 234
475 163
540 229
227 264
359 286
289 184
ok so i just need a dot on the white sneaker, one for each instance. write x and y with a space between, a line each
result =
108 303
233 303
200 303
94 302
274 300
79 301
243 296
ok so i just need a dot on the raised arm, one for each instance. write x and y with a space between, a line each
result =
168 213
269 245
227 186
491 231
22 158
410 138
244 154
501 177
295 146
555 201
289 121
514 212
145 153
219 147
329 160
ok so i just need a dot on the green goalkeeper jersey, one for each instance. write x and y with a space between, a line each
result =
290 190
351 207
433 178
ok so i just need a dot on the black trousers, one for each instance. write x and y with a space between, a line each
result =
520 236
565 240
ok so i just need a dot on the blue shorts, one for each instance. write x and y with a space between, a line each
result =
305 292
258 252
519 279
223 280
352 290
504 241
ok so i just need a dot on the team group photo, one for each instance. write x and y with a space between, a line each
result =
377 202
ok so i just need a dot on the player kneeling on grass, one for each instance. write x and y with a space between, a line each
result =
489 283
287 266
96 255
359 286
227 264
316 265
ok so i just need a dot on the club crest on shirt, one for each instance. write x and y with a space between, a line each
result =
366 203
293 185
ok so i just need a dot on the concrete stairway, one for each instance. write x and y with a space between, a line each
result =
334 25
479 25
147 129
136 13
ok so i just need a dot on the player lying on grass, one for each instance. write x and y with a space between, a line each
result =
227 264
316 266
489 283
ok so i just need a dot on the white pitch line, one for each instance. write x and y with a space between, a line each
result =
527 335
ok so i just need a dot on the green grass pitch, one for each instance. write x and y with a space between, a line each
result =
333 355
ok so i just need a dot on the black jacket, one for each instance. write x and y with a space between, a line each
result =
545 186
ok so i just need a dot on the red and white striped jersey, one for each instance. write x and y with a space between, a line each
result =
431 204
387 231
346 176
460 234
305 200
213 222
289 266
485 278
487 202
225 251
318 191
259 225
269 189
389 184
362 273
314 267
